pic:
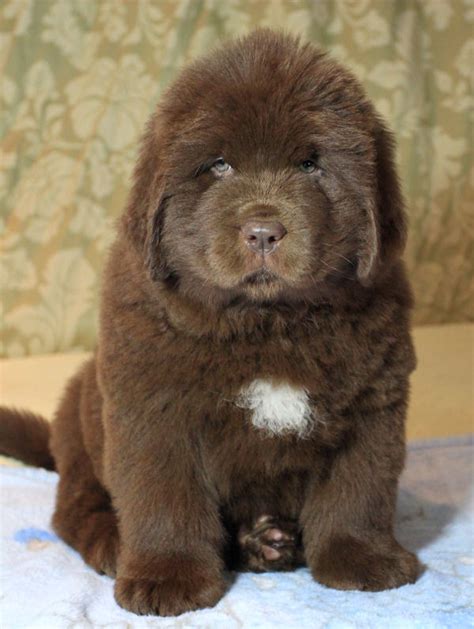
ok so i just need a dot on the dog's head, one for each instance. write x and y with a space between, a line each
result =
266 174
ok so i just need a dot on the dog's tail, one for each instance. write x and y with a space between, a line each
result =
25 436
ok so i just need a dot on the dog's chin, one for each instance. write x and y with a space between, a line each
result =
261 277
262 285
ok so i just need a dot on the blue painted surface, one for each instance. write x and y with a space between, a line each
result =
27 535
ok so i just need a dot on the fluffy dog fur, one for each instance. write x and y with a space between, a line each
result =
244 409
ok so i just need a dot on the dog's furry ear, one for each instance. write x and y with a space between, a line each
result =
143 219
154 255
385 235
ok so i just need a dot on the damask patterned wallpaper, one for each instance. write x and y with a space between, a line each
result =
81 76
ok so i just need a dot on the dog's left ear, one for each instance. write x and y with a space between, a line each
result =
386 228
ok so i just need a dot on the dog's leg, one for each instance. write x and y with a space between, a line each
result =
269 544
171 534
84 517
85 520
348 516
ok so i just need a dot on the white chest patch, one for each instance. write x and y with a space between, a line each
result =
277 408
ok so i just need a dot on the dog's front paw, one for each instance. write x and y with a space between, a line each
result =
176 587
347 563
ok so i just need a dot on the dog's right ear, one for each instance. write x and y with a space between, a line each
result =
386 228
153 252
142 220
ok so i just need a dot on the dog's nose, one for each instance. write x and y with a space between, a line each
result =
263 237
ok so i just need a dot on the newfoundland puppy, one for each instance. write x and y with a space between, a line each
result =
245 407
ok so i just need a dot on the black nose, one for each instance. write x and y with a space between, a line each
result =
263 237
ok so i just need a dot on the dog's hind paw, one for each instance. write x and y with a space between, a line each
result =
269 545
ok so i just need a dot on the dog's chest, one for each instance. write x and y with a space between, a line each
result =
277 408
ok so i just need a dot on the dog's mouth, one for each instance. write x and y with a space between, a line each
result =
262 284
261 277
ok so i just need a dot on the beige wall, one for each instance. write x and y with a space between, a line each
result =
80 77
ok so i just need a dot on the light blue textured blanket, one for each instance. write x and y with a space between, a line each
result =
46 585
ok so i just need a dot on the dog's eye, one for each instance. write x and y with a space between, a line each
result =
308 166
220 167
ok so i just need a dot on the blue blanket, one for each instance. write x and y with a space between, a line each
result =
46 585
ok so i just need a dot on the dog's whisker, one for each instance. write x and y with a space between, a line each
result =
336 253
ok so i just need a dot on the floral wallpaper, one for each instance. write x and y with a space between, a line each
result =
81 76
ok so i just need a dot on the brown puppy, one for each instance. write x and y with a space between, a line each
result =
246 404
